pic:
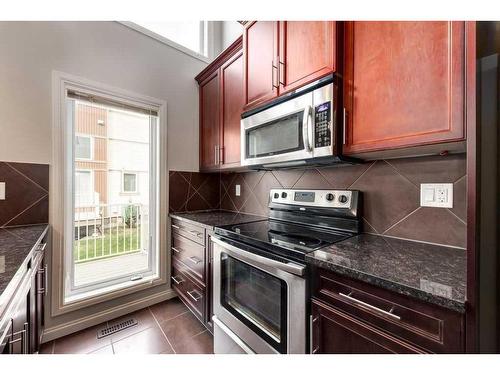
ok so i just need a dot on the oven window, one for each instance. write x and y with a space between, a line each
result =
276 137
256 298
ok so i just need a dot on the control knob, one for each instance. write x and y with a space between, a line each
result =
276 195
343 198
283 195
330 197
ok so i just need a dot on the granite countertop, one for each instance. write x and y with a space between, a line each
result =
432 273
216 218
16 244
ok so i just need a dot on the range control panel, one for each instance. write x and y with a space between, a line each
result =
314 198
322 128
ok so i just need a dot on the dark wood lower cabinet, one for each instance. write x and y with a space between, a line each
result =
334 332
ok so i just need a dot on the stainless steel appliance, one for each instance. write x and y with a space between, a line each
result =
260 278
301 129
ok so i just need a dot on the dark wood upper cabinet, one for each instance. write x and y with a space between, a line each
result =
260 46
209 122
232 103
404 86
307 52
221 104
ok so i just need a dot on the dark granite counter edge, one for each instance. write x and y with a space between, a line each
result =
11 289
178 216
389 285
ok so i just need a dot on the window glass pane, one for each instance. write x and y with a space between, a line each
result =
185 33
129 182
83 188
82 147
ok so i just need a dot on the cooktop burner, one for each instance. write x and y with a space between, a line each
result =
283 238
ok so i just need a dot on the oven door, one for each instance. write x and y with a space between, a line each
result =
257 299
280 134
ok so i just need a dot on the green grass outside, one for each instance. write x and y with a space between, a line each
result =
127 240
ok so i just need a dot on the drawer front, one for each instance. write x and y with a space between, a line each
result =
191 293
431 327
191 254
191 231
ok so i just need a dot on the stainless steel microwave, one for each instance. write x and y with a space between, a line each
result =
299 130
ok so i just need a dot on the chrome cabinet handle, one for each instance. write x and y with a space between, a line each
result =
41 271
194 260
176 281
176 250
370 307
311 328
41 246
175 226
281 73
306 125
344 115
196 233
275 68
195 298
22 339
46 279
216 154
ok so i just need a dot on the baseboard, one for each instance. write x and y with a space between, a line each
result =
61 330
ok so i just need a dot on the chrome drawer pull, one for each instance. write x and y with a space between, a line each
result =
370 307
41 246
176 281
191 294
196 233
176 250
194 260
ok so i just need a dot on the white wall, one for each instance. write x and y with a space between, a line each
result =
230 31
106 52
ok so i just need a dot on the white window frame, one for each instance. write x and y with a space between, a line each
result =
136 191
62 200
91 146
207 42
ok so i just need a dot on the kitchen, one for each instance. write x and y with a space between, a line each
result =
316 192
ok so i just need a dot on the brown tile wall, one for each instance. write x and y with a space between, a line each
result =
391 194
26 194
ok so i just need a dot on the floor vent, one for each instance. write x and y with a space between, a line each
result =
116 328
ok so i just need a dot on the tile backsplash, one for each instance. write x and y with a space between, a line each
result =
26 194
391 194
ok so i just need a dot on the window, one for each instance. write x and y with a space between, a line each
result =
84 189
83 147
129 182
192 35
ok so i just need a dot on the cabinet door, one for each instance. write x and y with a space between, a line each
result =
232 102
307 52
404 84
333 332
209 122
260 51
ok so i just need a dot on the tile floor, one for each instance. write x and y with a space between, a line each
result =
166 328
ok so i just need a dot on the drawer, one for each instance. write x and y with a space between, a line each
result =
191 254
189 292
428 326
191 231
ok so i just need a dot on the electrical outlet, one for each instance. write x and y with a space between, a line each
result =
238 190
436 195
2 191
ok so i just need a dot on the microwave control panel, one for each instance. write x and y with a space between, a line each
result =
322 129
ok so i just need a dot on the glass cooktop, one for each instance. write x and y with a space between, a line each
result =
282 237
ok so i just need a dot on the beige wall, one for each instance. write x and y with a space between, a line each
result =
106 52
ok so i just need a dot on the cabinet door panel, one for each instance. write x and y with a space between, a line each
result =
404 84
260 49
307 52
334 332
232 102
209 122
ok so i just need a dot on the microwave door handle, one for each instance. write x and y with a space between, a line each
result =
306 128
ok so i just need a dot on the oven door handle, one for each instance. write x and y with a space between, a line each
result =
290 267
232 335
306 128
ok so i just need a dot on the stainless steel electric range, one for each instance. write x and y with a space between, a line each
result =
260 275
